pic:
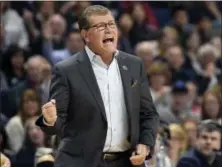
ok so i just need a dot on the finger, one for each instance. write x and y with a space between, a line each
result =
139 149
137 160
53 101
136 157
134 153
47 105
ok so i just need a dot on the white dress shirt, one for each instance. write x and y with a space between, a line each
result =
111 89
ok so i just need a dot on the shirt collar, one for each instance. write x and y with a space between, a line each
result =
92 55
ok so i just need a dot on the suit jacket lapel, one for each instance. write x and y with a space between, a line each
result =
86 71
124 68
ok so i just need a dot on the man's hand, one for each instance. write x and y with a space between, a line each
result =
49 112
139 155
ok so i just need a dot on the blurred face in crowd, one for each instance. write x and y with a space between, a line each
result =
125 22
34 70
211 106
205 24
179 101
169 38
139 13
58 25
207 59
30 107
102 35
157 80
82 5
191 128
193 41
181 17
177 141
146 51
207 142
47 8
35 134
75 42
216 41
175 57
17 60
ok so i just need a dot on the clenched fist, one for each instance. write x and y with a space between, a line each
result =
49 113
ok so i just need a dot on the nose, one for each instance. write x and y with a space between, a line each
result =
107 29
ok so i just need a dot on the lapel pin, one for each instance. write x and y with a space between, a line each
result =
125 68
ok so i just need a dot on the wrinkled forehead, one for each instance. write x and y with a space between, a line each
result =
214 133
100 18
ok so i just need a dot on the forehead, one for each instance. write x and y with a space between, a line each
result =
215 133
96 18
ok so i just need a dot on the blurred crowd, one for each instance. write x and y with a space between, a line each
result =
179 42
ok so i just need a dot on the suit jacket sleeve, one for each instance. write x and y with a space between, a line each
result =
149 118
59 90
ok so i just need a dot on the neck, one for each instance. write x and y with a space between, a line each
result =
174 156
107 59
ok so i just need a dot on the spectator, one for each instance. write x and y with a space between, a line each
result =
45 10
13 65
35 139
211 107
146 51
190 125
30 106
180 22
125 26
178 107
204 155
53 32
191 50
74 44
159 79
144 30
10 100
14 28
177 143
176 59
161 158
208 56
205 29
168 38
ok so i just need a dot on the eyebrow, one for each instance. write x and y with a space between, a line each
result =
106 22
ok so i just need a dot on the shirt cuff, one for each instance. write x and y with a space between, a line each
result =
44 121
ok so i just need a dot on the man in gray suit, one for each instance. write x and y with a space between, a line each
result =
101 106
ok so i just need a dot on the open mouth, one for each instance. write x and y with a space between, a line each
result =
108 40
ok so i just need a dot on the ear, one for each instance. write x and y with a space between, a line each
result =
84 35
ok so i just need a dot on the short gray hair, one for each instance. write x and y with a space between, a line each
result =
89 11
208 49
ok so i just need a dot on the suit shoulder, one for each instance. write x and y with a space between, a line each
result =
68 62
131 57
190 157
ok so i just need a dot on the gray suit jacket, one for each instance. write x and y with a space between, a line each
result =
81 120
